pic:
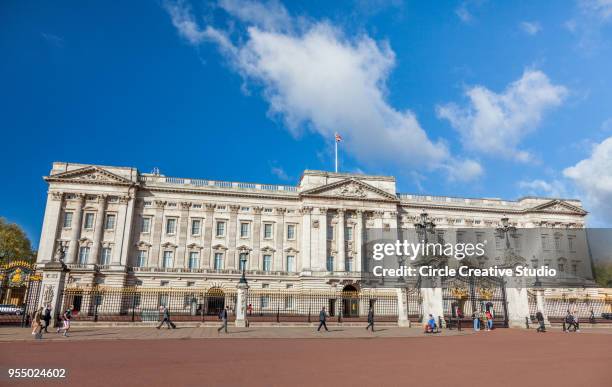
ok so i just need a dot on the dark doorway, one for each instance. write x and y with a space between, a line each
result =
350 301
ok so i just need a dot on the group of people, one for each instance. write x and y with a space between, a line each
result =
42 319
571 321
483 319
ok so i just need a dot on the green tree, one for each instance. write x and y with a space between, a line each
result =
603 273
14 244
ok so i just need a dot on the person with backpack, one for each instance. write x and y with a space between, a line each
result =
47 317
540 318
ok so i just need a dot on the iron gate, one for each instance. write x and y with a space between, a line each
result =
463 296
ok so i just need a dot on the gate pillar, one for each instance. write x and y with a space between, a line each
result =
402 308
518 306
52 288
432 303
541 304
241 300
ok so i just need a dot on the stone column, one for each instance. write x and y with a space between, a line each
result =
320 260
241 300
128 203
73 248
232 259
52 287
182 232
280 238
207 259
402 308
158 221
541 304
256 253
94 257
305 253
51 225
518 306
358 241
340 244
432 301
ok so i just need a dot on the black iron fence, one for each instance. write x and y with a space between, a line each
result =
557 307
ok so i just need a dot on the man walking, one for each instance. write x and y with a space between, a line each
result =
371 319
47 317
166 318
223 317
322 319
540 318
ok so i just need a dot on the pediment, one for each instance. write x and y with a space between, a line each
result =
558 206
90 175
350 189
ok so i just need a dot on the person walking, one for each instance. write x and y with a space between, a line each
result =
66 321
489 320
322 319
476 320
37 324
47 317
370 319
540 318
223 318
166 318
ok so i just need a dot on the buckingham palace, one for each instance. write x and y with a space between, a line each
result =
117 228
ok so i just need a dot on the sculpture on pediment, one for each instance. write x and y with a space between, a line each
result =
352 190
60 253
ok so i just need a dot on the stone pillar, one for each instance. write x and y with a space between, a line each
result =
432 302
182 232
541 304
256 253
340 244
94 257
358 241
241 304
402 308
305 253
207 259
232 259
73 248
52 287
320 260
128 203
158 221
518 306
280 238
51 225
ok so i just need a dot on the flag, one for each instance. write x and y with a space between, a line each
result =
338 137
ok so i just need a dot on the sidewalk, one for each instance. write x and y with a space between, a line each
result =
118 333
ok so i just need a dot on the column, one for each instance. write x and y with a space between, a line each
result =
207 259
359 241
305 251
73 249
256 253
158 221
320 259
340 245
231 238
241 300
183 229
518 306
280 238
51 223
129 203
94 257
402 308
541 304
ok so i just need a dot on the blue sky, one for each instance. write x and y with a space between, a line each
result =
465 98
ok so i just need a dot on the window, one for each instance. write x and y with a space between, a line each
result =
194 260
89 221
460 237
561 267
291 231
265 301
171 226
570 242
291 263
244 230
109 224
218 261
167 261
242 261
479 237
67 219
106 256
220 229
330 263
141 258
196 226
557 242
268 231
498 243
289 302
330 231
83 255
574 269
545 242
145 225
267 263
348 233
348 264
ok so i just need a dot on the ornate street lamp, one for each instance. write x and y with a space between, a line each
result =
243 261
505 230
425 225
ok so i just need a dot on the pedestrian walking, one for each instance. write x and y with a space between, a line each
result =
592 317
37 324
47 317
66 317
370 319
166 318
223 318
322 320
489 320
576 323
540 318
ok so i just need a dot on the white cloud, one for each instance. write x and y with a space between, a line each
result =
280 173
314 77
593 177
463 13
539 187
531 28
601 8
495 123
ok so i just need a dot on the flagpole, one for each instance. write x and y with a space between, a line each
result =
336 143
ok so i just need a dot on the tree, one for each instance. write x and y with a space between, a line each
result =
603 273
14 244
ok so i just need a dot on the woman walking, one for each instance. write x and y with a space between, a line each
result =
37 324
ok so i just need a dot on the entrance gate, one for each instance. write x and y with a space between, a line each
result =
19 292
462 296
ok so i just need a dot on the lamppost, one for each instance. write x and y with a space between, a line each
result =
243 261
505 230
425 225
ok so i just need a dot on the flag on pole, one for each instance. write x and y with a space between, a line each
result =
338 137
